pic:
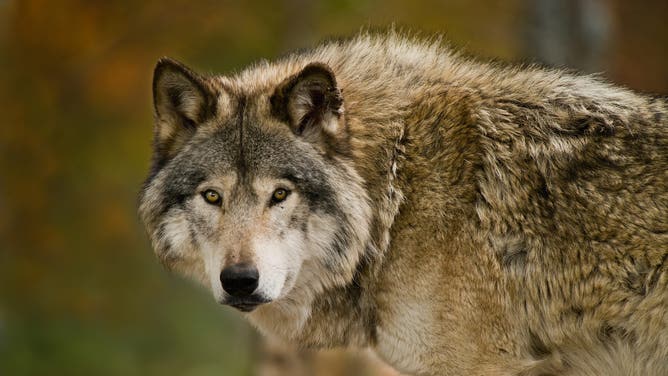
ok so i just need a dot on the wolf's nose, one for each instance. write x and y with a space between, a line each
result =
239 280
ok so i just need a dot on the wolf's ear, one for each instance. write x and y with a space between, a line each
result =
182 99
311 103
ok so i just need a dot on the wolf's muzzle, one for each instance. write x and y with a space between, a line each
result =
239 280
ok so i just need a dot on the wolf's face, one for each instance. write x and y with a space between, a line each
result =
252 192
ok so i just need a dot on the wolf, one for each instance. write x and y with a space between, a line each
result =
459 217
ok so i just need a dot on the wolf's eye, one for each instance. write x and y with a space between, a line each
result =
279 195
212 197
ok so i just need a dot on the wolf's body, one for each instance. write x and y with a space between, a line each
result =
458 217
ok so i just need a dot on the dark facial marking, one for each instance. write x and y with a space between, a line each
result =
195 163
241 166
180 185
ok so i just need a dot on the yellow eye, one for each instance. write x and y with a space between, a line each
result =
279 195
212 197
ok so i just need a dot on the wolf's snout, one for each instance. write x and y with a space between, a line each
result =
239 280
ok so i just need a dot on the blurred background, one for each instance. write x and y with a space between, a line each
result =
80 290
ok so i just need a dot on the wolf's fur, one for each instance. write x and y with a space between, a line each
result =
461 218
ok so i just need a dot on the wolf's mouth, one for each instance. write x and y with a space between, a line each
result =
245 307
246 304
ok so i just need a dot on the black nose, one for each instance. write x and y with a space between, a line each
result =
239 280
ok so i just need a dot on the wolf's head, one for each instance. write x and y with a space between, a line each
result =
252 190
